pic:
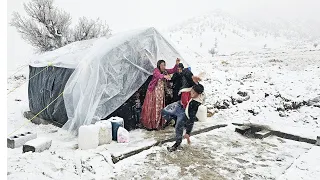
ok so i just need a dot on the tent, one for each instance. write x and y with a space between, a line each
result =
96 78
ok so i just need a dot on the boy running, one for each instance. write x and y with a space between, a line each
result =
185 116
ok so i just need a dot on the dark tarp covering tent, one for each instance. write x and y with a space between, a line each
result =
98 77
44 88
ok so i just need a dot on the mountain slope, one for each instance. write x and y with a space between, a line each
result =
226 35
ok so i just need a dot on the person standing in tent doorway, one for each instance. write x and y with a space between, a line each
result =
154 101
176 80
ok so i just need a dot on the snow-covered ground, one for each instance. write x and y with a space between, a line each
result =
306 166
218 154
293 74
274 77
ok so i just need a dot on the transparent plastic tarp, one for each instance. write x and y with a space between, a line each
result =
68 56
108 72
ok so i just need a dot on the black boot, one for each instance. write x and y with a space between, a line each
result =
173 148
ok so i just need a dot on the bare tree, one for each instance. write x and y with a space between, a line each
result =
212 51
88 29
45 27
48 28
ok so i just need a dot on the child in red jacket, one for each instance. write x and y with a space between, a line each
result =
185 116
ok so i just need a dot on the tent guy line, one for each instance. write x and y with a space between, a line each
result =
36 114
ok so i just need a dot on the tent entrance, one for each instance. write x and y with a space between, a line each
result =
128 110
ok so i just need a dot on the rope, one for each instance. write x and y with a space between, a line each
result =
29 79
36 115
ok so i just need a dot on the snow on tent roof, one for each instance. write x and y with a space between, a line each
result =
67 56
106 71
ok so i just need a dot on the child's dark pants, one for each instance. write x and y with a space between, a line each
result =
175 111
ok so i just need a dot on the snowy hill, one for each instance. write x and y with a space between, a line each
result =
297 29
227 35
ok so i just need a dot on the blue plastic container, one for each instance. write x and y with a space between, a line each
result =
115 127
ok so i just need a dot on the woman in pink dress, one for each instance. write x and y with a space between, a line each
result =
154 101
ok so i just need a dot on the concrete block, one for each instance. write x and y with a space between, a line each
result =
20 139
37 145
242 129
318 141
263 134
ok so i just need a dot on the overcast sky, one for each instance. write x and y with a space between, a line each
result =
127 14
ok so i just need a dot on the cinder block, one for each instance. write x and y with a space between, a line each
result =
20 139
318 141
242 129
37 145
263 134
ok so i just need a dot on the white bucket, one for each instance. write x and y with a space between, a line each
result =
202 113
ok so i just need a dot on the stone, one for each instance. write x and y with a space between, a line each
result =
246 98
20 139
282 114
234 101
253 112
222 105
37 145
53 131
318 141
243 94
